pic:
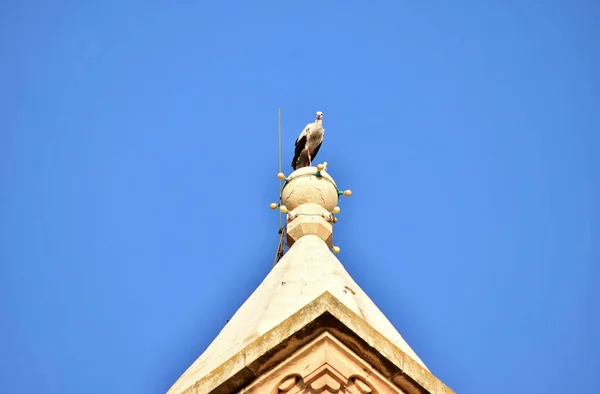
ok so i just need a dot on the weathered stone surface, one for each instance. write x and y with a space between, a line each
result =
325 364
309 219
304 187
308 327
324 314
289 309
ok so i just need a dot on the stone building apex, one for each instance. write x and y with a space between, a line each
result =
308 328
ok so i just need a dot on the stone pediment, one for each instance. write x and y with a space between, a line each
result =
326 314
325 365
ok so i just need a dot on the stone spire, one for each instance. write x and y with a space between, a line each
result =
308 327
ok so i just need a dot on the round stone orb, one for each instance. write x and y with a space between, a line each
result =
303 186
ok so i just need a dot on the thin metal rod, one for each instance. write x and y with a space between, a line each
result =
279 132
278 249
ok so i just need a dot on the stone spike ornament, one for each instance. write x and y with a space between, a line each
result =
310 199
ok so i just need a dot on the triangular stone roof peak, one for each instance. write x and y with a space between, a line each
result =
307 292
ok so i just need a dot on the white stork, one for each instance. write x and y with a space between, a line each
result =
308 143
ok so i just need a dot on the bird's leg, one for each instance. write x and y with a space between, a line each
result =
309 159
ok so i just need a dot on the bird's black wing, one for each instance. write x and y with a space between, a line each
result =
300 143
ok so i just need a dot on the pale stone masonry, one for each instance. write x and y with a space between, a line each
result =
308 327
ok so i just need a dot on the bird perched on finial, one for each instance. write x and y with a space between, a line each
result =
308 143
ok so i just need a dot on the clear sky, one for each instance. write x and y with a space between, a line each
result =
139 157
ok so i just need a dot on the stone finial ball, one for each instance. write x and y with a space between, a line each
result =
303 186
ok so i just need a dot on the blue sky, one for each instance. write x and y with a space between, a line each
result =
139 153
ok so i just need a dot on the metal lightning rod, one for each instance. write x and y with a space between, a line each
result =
280 185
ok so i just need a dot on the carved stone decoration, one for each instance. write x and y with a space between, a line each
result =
359 386
289 383
323 366
309 219
304 187
325 380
